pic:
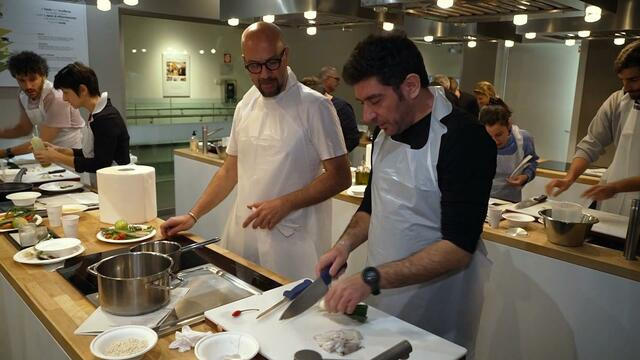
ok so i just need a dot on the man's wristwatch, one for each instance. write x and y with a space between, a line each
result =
371 277
8 153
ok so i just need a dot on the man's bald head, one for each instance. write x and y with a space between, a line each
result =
261 34
263 50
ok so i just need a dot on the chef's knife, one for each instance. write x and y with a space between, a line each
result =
311 294
288 295
530 202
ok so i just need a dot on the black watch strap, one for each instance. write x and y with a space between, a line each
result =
371 277
8 153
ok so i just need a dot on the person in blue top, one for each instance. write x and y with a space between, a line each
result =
514 144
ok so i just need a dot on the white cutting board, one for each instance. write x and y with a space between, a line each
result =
37 174
610 224
281 339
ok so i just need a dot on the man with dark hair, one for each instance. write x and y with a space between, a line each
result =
105 139
617 122
330 81
42 109
287 157
466 101
425 205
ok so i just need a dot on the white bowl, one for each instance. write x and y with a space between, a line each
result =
217 346
73 208
358 189
58 247
518 220
101 343
25 198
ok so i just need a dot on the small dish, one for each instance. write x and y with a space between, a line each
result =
61 186
100 236
518 220
37 219
101 343
58 247
221 345
73 209
24 198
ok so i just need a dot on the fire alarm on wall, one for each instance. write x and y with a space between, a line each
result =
227 58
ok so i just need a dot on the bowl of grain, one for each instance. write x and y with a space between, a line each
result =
127 342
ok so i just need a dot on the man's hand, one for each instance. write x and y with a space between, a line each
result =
267 214
559 184
344 295
46 155
336 257
176 224
600 192
517 181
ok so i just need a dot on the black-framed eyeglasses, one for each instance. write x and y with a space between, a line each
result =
271 64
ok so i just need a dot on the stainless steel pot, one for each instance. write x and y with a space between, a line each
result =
170 248
567 234
134 283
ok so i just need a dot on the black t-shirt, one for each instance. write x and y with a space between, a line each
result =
466 167
347 123
110 142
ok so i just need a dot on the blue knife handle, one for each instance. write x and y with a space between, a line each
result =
293 293
324 274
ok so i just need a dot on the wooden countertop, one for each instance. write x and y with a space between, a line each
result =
554 174
209 158
61 308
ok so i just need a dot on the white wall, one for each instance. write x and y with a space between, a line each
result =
442 59
540 89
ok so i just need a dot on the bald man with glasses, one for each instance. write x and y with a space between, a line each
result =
286 156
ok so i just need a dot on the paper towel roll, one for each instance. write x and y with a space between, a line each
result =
367 155
127 192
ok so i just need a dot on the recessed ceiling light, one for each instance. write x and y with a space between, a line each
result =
445 4
269 18
310 15
509 43
584 33
570 42
619 41
530 35
387 26
520 19
471 44
103 5
213 51
312 30
592 13
233 21
428 38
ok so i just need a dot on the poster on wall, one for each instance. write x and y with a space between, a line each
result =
176 73
55 30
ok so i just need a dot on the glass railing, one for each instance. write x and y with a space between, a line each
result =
167 111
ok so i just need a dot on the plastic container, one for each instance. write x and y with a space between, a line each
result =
37 145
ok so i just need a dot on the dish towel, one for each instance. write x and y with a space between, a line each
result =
186 339
100 320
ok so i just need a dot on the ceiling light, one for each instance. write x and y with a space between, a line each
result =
428 38
584 33
312 22
445 4
592 13
520 19
131 2
310 14
570 42
530 35
509 43
143 50
269 18
213 51
387 26
619 41
103 5
312 30
471 44
201 52
233 21
134 51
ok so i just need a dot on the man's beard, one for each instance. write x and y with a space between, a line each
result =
274 87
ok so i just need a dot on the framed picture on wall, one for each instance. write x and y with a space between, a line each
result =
176 72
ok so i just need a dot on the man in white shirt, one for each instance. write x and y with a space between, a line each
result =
286 155
617 122
42 109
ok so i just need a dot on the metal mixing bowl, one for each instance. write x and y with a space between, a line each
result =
567 234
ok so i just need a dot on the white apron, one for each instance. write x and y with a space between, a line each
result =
405 219
273 160
67 137
504 167
626 161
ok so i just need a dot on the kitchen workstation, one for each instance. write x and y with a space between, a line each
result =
319 179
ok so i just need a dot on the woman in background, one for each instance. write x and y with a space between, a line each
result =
484 91
514 144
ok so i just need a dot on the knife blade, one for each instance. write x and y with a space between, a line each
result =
530 202
288 295
311 294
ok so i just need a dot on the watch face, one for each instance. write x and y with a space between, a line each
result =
371 277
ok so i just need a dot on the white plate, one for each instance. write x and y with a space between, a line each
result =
21 257
73 209
102 238
357 190
101 343
217 346
56 186
37 222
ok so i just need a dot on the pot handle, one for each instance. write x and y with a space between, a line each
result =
177 284
92 268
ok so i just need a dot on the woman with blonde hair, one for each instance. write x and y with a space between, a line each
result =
484 91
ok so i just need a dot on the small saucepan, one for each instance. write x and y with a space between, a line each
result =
15 186
170 248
